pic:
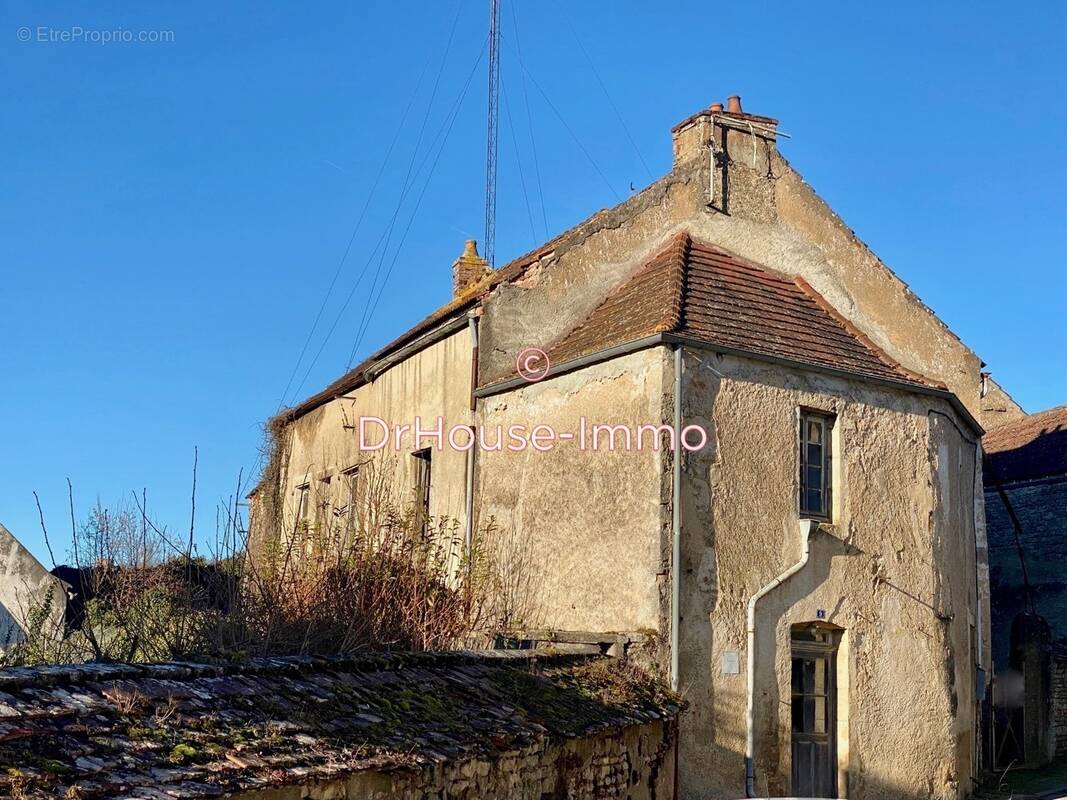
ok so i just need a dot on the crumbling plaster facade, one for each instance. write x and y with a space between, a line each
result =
30 596
901 570
325 442
895 571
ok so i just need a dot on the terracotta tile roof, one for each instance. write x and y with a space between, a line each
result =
193 730
1029 448
707 293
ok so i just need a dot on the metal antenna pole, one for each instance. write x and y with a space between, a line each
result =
489 252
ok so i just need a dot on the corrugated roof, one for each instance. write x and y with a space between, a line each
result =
1029 448
708 293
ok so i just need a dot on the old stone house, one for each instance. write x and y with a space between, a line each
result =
810 570
1026 506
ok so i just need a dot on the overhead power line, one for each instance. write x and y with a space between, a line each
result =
406 185
529 116
355 230
604 88
570 130
443 137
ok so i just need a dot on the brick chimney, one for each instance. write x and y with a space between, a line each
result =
468 269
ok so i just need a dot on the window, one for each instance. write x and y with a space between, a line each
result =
303 503
349 484
422 490
816 476
324 499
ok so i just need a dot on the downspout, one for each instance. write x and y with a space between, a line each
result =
807 527
468 527
676 517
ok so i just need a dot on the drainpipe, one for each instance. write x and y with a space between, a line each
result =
468 528
807 527
676 517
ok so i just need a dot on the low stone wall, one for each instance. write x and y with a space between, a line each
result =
636 763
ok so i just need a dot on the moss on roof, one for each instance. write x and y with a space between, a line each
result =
102 730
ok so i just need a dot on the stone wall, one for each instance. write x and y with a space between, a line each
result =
1059 706
636 763
1039 505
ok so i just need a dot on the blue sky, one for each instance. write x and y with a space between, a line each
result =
172 213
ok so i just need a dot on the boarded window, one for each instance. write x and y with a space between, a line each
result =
816 477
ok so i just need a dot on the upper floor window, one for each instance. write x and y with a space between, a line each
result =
816 471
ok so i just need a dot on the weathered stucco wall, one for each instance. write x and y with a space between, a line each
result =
29 594
592 523
998 407
774 218
893 571
636 763
433 382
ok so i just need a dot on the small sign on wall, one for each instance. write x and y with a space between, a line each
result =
731 662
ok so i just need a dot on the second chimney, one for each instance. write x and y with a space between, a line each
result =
468 269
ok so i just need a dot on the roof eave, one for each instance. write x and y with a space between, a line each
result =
670 339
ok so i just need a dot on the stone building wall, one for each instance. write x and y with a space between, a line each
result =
895 572
1041 506
1059 706
635 763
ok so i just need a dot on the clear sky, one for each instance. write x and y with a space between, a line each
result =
172 212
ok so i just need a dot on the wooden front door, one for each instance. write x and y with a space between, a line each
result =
814 689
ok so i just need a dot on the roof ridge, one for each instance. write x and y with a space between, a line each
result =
677 270
864 339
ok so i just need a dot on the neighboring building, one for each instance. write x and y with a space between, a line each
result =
32 600
1026 511
837 495
422 727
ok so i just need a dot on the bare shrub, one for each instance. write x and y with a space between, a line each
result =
361 572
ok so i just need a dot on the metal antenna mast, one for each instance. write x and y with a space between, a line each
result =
490 139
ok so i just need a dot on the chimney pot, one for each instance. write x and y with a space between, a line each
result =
733 104
716 108
468 269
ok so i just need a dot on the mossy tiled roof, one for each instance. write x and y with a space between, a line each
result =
193 730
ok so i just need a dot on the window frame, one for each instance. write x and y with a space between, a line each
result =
827 420
423 484
349 477
303 507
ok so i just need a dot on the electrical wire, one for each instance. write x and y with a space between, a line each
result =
447 130
569 130
604 88
529 116
518 161
355 230
405 189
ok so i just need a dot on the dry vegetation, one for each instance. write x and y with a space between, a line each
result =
360 572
